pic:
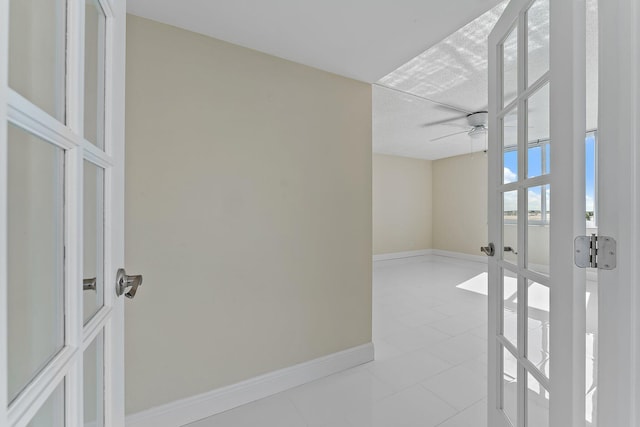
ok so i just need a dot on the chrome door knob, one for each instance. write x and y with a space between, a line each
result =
124 282
488 250
89 284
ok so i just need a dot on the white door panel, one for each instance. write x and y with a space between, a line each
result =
536 208
61 212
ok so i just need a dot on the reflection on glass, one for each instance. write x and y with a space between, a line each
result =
510 146
510 386
534 165
51 413
510 307
37 36
93 238
510 226
35 291
94 383
539 152
538 326
538 218
537 40
547 156
510 68
537 403
94 69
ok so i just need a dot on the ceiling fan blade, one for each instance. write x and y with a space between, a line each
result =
441 122
449 107
437 103
447 136
457 125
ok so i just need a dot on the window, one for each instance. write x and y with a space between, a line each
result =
539 163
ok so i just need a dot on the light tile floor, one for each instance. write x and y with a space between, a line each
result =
430 367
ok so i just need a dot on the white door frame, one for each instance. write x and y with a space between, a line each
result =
568 291
619 212
13 107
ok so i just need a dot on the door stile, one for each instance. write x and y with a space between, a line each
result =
114 211
495 361
73 284
568 287
495 200
4 53
522 211
74 396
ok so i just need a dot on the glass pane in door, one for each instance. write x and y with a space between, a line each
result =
538 329
538 221
93 275
510 307
510 146
94 77
94 383
510 386
35 291
37 47
510 226
51 413
537 40
537 403
538 131
510 67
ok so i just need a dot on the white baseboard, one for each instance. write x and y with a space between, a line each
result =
195 408
459 255
398 255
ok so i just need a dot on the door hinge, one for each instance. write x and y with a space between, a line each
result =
595 252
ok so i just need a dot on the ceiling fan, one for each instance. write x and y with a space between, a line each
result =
476 124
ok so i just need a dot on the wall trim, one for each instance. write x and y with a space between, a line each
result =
204 405
460 255
398 255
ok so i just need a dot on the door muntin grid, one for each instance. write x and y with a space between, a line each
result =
58 120
525 226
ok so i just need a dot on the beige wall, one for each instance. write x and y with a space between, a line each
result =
401 204
460 203
248 212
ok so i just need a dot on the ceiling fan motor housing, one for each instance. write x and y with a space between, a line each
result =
478 119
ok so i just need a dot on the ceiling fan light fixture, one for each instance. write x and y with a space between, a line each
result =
478 132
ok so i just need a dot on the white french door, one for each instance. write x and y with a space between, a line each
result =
61 212
536 209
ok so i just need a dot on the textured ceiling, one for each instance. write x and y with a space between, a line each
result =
361 39
454 72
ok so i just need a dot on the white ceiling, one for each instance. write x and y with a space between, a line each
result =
367 40
361 39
